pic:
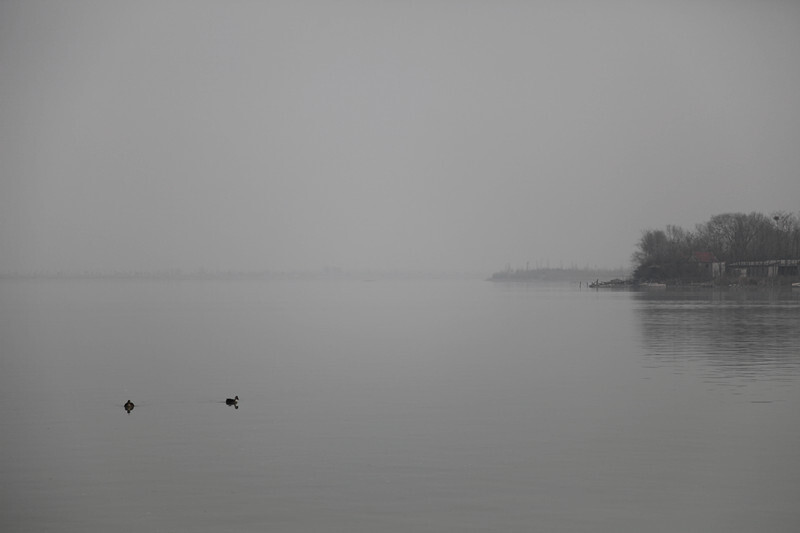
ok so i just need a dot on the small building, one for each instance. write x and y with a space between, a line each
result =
705 265
771 268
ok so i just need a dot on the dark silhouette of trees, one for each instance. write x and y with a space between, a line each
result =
730 237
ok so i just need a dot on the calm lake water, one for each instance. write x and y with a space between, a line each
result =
397 406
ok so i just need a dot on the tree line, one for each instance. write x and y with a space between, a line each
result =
731 237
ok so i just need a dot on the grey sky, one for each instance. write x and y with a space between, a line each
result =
457 135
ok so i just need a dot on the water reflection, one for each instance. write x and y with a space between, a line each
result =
750 334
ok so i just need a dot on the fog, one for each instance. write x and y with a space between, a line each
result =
438 136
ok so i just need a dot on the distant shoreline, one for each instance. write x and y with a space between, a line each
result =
558 274
243 276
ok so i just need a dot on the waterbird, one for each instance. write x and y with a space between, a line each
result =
129 406
232 401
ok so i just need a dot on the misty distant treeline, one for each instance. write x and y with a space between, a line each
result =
731 237
556 274
208 274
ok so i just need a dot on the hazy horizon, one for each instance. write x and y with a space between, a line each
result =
440 136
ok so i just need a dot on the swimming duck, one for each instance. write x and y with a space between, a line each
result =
129 406
232 401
